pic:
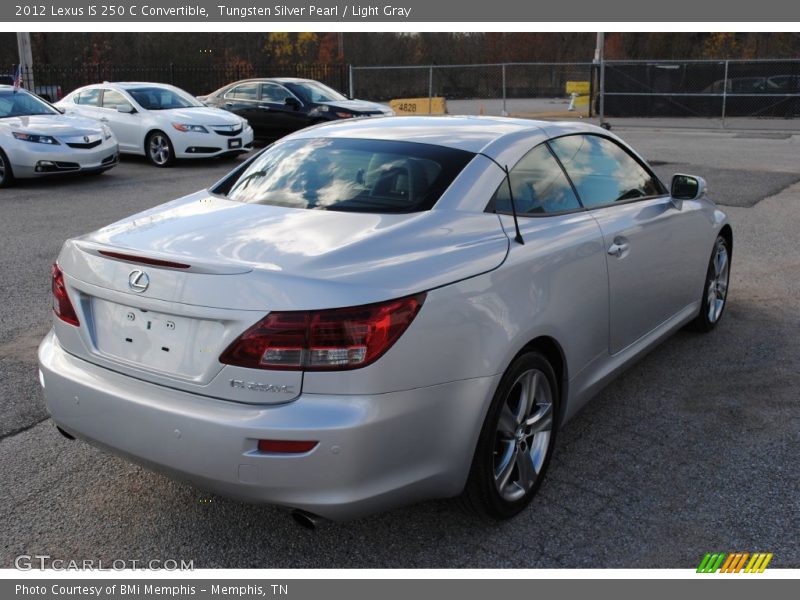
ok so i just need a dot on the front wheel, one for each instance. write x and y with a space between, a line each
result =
715 291
516 439
159 149
6 175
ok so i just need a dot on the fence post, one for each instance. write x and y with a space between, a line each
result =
430 90
505 112
350 83
724 93
602 91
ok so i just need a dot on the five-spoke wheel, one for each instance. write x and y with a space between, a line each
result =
516 440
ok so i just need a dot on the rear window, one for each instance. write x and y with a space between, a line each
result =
371 176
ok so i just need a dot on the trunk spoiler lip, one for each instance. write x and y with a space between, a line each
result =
159 260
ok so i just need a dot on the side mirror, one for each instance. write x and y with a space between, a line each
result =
126 108
687 187
293 102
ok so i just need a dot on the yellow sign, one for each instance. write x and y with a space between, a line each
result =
578 87
419 106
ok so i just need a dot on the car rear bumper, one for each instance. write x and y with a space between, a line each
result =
26 157
374 453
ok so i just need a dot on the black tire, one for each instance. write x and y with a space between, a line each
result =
707 319
6 174
482 494
159 150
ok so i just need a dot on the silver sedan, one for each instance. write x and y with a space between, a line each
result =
372 313
36 139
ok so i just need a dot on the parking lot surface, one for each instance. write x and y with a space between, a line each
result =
693 450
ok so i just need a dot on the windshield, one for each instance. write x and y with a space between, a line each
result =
313 91
375 176
159 98
23 104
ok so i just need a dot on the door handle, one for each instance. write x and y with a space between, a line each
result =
263 107
618 248
229 104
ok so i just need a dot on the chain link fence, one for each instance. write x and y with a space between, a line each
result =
726 93
54 81
520 89
724 90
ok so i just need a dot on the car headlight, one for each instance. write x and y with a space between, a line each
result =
36 138
322 108
190 128
107 133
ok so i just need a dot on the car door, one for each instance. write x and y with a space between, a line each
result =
559 272
243 101
652 246
126 126
283 118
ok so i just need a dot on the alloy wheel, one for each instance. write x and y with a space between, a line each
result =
523 435
159 149
718 281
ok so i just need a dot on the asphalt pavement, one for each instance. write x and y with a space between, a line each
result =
694 449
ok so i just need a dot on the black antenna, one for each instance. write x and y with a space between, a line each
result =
518 237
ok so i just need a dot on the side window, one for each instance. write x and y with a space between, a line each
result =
539 186
271 92
246 91
602 171
112 99
88 97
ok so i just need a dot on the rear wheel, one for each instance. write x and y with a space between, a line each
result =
159 149
715 291
6 175
516 439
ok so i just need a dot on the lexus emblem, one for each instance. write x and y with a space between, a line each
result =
86 139
138 281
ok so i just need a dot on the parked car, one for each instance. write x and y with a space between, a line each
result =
51 93
37 140
738 85
278 106
160 121
354 319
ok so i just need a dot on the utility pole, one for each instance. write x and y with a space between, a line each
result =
25 60
599 60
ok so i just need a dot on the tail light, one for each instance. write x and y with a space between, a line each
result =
62 305
323 340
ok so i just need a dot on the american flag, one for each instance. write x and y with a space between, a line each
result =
18 78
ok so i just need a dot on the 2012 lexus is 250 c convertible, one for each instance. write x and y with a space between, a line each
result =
355 319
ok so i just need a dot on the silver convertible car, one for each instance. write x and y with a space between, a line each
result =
37 140
377 312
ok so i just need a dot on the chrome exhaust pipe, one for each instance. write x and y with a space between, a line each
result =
306 520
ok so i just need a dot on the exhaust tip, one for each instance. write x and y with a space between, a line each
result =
306 520
69 436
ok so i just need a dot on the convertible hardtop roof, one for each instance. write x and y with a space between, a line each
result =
469 133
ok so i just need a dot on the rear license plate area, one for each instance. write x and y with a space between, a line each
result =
156 341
